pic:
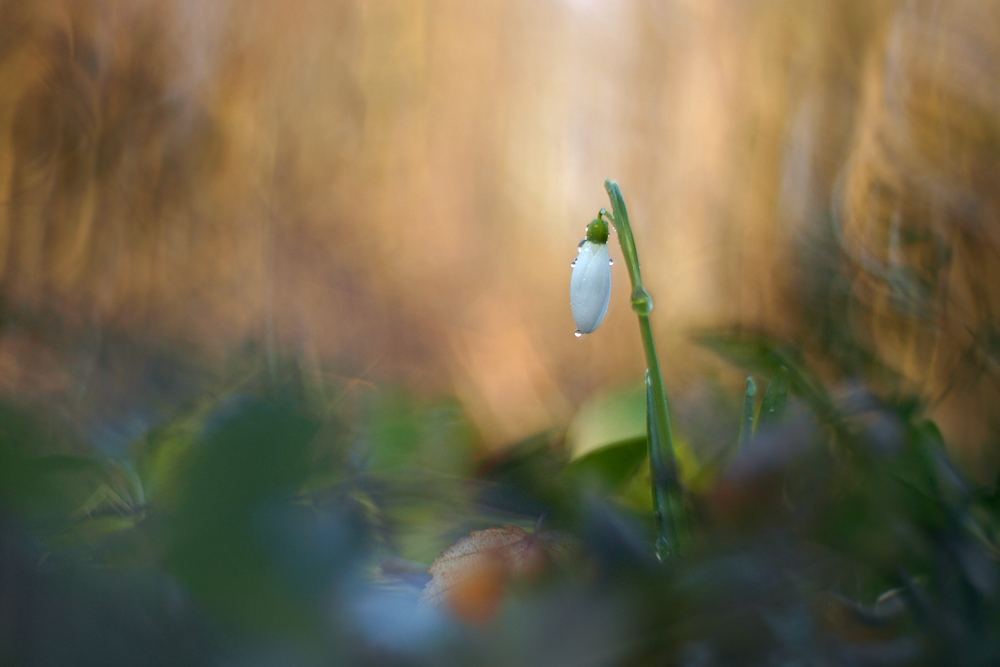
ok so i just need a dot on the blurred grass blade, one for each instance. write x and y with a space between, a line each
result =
772 410
668 502
760 353
746 420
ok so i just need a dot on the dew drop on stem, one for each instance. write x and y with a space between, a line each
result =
663 550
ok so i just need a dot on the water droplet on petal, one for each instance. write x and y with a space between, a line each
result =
578 333
611 261
573 263
580 245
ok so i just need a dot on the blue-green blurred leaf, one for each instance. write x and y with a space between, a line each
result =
611 466
403 431
772 409
747 416
248 470
762 354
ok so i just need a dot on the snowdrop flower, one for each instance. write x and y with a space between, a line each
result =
590 286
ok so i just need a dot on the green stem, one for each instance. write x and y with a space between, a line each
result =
668 502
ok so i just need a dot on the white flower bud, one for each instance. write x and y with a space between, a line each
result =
590 286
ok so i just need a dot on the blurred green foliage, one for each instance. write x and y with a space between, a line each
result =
281 522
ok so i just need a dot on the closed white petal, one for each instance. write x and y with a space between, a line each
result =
590 286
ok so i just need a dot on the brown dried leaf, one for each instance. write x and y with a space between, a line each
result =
472 576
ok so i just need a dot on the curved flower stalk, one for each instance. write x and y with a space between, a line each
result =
590 291
590 286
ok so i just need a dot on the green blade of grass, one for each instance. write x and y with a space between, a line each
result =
746 421
772 410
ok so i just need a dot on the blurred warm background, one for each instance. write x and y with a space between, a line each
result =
394 191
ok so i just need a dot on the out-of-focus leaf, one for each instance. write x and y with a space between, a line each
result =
772 409
403 431
471 577
618 421
89 529
635 494
615 417
611 466
69 500
168 445
525 479
53 484
23 473
762 354
746 421
247 471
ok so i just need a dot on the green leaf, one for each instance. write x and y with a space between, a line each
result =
251 463
609 418
763 354
772 410
612 466
746 422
